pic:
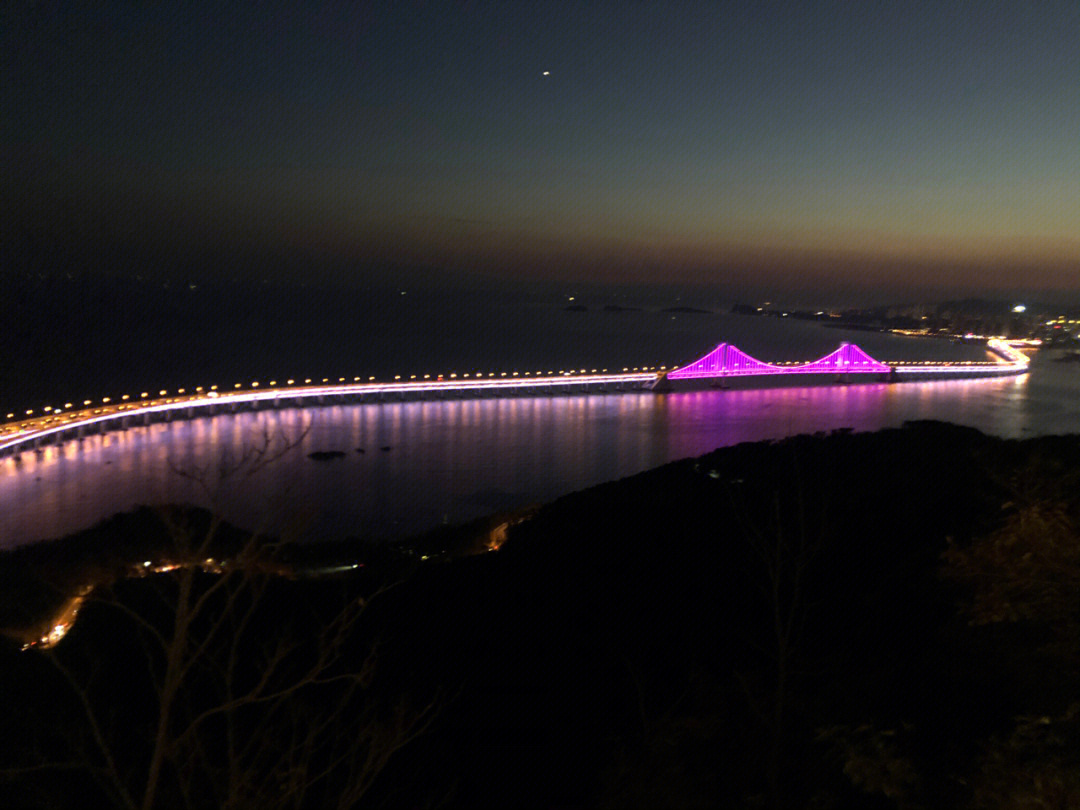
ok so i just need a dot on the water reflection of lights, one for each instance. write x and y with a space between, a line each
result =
447 450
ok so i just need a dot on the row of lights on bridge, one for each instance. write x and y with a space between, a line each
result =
397 377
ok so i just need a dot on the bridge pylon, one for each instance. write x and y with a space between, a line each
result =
661 385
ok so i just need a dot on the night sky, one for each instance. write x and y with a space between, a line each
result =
897 145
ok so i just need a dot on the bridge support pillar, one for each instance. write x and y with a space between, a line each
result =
661 385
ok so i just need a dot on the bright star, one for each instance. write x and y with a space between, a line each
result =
547 72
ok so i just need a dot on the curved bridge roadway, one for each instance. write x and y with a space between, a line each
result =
725 361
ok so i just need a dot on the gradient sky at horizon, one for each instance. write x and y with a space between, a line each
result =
868 144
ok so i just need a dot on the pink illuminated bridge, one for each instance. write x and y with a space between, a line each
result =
729 361
56 425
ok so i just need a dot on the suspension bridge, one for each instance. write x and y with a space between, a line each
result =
848 363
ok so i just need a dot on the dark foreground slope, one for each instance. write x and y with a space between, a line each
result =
866 620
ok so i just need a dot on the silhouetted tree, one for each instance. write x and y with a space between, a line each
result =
221 693
785 536
1027 572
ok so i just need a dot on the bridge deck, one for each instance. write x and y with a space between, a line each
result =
725 361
